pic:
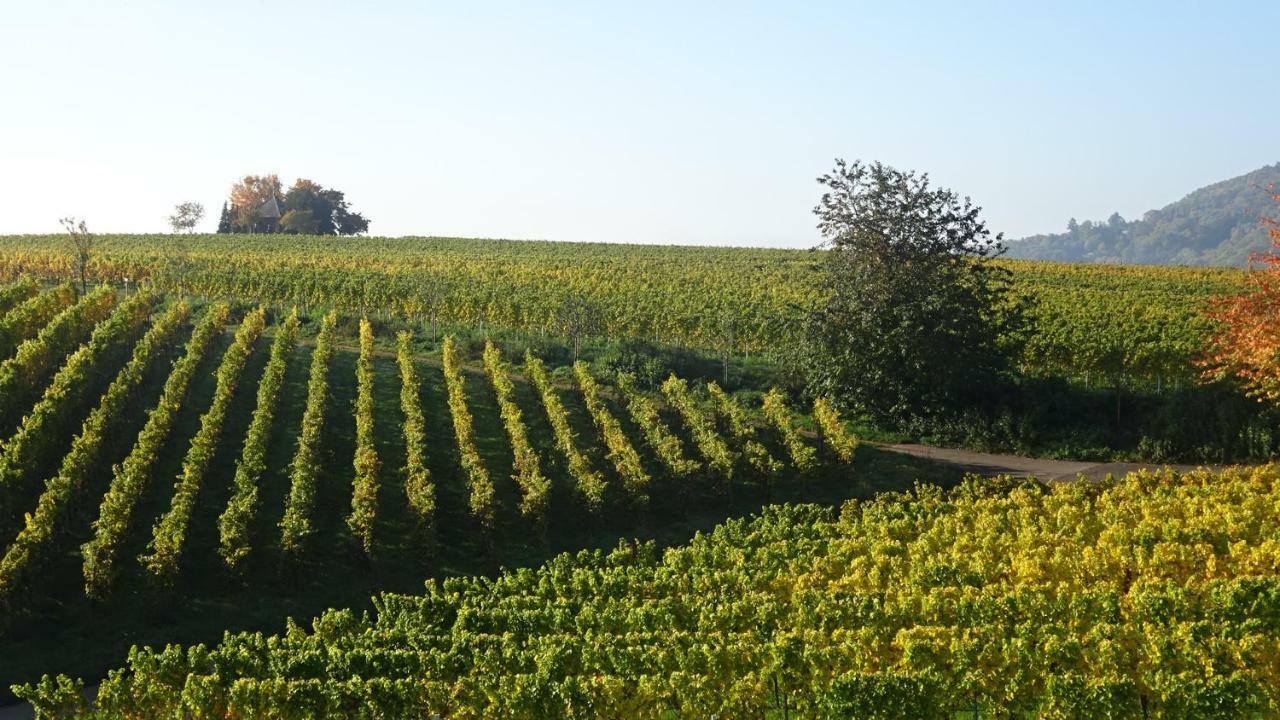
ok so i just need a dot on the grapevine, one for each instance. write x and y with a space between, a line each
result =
21 375
743 431
26 319
664 443
591 485
779 415
418 485
364 489
482 498
170 532
234 523
705 437
39 434
535 487
624 456
42 524
130 477
17 292
833 429
296 524
938 604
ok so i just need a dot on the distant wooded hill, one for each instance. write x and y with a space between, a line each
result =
1215 225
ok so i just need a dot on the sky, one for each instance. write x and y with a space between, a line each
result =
688 123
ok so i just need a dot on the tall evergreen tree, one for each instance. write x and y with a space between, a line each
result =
224 220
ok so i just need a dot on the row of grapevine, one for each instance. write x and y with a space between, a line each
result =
45 427
418 487
663 296
535 488
590 484
22 374
743 430
735 416
703 429
130 478
644 413
720 299
16 292
296 524
26 319
803 456
833 431
42 524
482 496
935 604
620 450
242 508
169 535
364 489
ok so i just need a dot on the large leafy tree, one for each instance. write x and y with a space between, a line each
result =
1246 341
916 322
249 195
310 209
186 216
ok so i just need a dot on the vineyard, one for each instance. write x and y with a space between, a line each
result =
881 454
179 467
173 457
1096 323
1153 597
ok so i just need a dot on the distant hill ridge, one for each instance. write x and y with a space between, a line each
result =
1215 225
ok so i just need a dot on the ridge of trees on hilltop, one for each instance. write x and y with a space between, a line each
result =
1215 225
259 204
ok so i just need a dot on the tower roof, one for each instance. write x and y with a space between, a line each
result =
270 210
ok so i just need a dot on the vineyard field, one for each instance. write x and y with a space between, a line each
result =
992 600
685 399
52 620
1092 321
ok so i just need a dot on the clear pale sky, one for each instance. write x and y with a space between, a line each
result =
652 122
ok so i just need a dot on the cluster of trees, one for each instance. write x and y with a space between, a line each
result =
259 204
1215 225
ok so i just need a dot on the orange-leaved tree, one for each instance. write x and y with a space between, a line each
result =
250 194
1246 341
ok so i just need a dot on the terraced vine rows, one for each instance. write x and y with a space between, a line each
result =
554 461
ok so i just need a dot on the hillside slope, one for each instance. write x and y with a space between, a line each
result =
1215 225
1153 596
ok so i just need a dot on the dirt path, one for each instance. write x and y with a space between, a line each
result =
989 464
